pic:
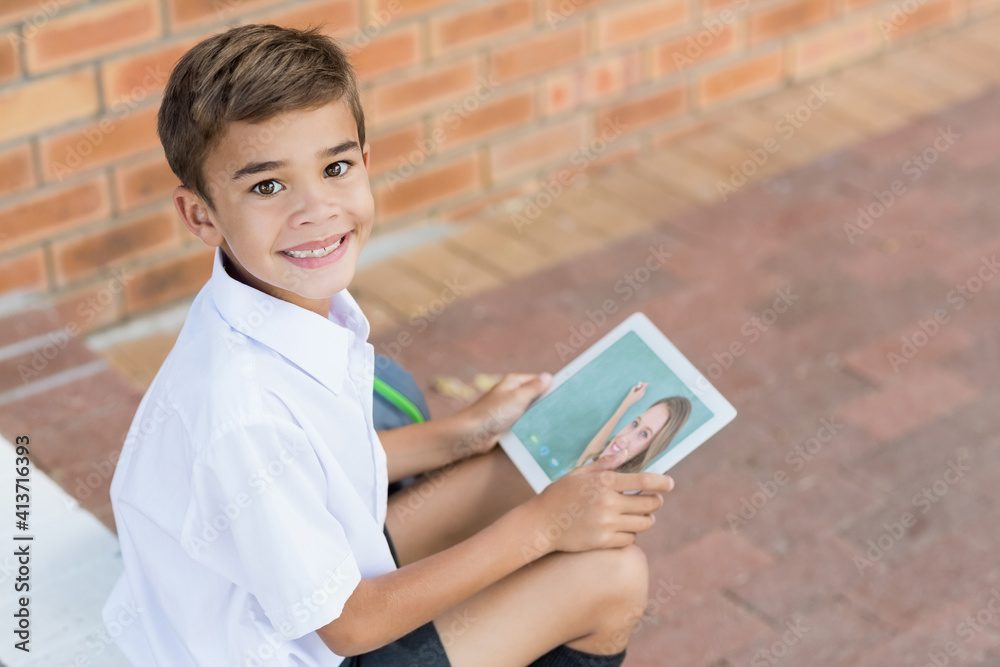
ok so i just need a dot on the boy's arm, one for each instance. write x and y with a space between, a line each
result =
417 448
384 608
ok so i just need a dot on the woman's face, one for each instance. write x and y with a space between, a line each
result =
636 436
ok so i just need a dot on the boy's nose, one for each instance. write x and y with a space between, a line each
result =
315 204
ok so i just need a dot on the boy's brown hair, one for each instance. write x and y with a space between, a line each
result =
249 73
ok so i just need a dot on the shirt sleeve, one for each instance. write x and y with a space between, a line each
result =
258 515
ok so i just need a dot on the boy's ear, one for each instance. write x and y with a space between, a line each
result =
365 154
194 213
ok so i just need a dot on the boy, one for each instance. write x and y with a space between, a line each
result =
250 497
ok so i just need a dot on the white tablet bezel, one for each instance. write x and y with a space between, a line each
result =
722 411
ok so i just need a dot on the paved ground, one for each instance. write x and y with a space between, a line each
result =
872 393
883 439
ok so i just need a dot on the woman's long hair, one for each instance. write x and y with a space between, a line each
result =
680 410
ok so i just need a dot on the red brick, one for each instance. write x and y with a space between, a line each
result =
557 11
813 573
25 271
895 23
53 210
488 119
693 49
385 53
10 67
700 633
390 150
781 20
94 252
421 92
644 111
832 48
48 101
142 182
112 138
543 53
399 8
92 32
186 13
637 22
719 559
475 26
139 75
483 204
562 92
30 13
606 79
93 305
427 187
335 18
17 171
908 403
170 280
751 76
549 144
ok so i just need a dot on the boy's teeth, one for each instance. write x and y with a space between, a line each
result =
319 252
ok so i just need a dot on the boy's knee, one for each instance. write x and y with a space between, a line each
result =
624 572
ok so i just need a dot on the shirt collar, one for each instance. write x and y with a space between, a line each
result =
317 345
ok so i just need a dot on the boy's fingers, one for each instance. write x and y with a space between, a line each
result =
644 481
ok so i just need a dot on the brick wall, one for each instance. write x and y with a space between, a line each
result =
469 103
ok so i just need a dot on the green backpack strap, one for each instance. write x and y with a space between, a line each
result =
391 394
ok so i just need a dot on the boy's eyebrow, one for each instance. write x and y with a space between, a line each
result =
257 167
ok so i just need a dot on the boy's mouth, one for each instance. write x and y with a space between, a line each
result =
316 252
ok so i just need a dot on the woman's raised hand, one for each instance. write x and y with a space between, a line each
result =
636 393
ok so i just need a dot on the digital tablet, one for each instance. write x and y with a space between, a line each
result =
633 391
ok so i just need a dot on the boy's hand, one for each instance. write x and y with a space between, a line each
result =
495 411
586 509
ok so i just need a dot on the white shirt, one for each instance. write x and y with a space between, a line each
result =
250 496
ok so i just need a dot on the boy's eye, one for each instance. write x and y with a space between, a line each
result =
336 169
268 187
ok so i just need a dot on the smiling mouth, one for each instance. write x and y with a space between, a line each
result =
318 252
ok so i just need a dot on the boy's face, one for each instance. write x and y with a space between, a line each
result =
293 205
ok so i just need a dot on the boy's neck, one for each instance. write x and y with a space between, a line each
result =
319 306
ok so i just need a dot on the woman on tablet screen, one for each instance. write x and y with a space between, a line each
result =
646 437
